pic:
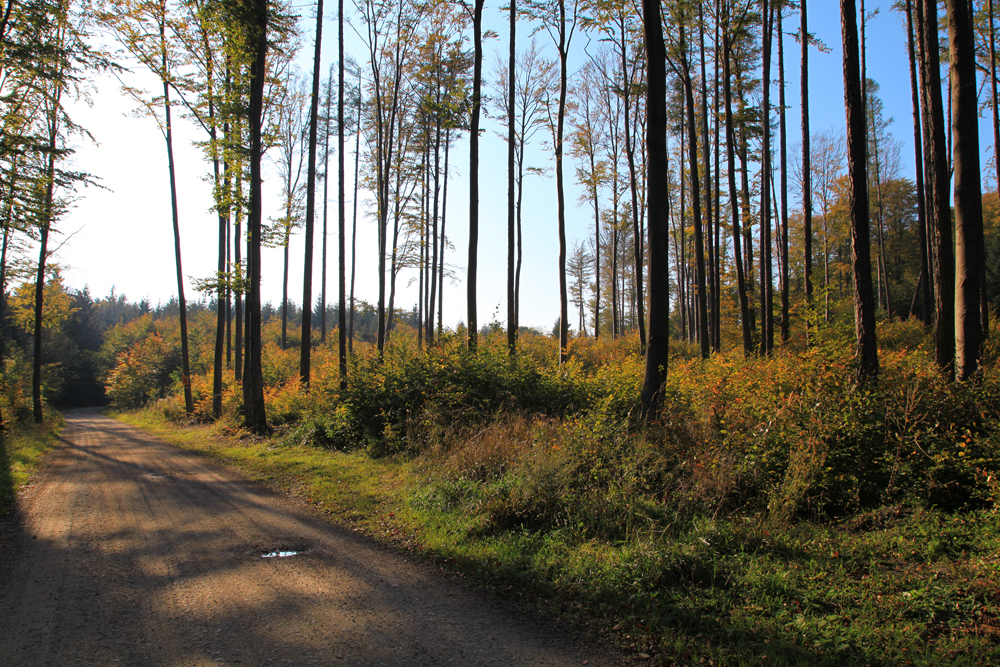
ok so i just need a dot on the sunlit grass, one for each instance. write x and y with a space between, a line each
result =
22 453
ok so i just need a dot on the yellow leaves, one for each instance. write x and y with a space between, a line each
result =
57 304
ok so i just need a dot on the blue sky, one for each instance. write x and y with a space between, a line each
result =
123 235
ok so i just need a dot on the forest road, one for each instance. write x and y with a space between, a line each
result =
128 551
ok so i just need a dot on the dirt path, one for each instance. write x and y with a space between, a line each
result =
132 552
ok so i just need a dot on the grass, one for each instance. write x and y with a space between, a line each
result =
901 585
22 453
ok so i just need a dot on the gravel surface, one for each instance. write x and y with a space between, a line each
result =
128 551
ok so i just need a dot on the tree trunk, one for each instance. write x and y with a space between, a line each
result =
766 282
511 213
996 145
221 182
923 282
239 316
970 256
255 416
43 242
477 83
940 209
563 47
305 360
341 212
657 174
864 310
734 203
745 211
807 210
284 279
783 159
182 305
354 219
326 206
633 189
444 237
712 267
701 303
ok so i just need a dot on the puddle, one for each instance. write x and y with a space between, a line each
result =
280 554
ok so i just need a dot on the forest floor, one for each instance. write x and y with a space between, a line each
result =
126 550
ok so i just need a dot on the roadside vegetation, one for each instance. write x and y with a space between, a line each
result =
773 514
22 454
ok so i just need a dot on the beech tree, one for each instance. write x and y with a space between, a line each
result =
305 359
141 28
592 171
290 139
476 12
254 19
533 76
560 21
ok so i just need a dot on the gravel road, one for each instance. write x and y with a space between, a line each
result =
128 551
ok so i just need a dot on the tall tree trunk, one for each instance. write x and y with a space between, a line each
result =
433 273
563 48
923 282
444 237
996 146
633 189
699 238
326 206
341 212
807 209
970 256
239 316
717 190
7 231
168 135
220 180
43 243
940 210
864 310
305 360
712 267
734 203
477 83
255 416
181 302
766 281
354 218
511 213
657 174
284 278
783 159
745 200
882 271
682 274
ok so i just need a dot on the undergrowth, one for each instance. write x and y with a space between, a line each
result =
22 451
771 513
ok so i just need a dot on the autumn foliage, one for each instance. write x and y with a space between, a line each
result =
785 437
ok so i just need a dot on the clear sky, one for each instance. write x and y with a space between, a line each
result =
122 236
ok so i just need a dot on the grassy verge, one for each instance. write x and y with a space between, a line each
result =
902 585
22 452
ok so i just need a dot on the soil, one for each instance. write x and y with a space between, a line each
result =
128 551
